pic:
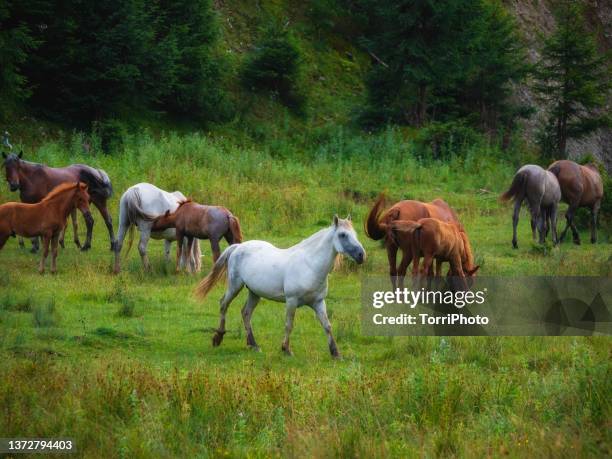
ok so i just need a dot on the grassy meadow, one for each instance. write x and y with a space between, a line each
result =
124 364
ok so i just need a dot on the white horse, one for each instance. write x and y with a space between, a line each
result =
139 206
296 276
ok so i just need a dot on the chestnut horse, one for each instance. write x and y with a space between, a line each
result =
34 181
377 227
46 219
581 186
193 220
435 239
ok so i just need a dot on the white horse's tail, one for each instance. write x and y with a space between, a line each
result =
218 270
197 254
130 211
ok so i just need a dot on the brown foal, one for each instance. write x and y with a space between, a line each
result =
46 219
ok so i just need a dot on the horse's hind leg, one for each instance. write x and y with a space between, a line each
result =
321 311
234 285
75 229
54 243
392 257
21 243
142 248
515 220
553 222
216 250
247 313
569 217
43 258
167 247
594 212
290 306
403 267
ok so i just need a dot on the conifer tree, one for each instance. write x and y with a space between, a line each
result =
573 78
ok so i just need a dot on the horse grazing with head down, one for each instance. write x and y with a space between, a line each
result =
437 240
196 221
541 190
296 276
46 219
34 181
581 186
378 226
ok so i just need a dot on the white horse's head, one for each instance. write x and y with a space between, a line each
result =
345 239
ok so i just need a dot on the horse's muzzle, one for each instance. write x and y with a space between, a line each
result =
359 257
14 186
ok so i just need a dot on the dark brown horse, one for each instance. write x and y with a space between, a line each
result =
46 219
581 186
34 181
378 226
193 220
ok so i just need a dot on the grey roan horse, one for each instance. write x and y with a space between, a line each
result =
541 190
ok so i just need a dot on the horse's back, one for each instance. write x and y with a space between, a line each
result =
415 210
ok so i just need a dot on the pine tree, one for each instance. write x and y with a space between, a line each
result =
16 42
573 78
440 60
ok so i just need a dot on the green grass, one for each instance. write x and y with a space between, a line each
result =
124 364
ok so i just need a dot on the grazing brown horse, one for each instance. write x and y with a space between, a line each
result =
193 220
377 227
34 181
581 186
435 239
46 219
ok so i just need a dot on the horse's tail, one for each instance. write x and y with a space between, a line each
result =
218 270
98 181
234 226
133 206
130 240
197 254
518 185
373 228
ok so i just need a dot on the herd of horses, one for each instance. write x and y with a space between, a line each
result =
296 276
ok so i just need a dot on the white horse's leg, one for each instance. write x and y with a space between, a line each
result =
321 311
124 225
167 247
291 306
145 234
247 313
234 285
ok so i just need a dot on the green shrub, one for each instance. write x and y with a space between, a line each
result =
111 135
444 140
274 66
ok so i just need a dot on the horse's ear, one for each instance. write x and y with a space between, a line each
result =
348 217
167 213
471 272
335 220
20 154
